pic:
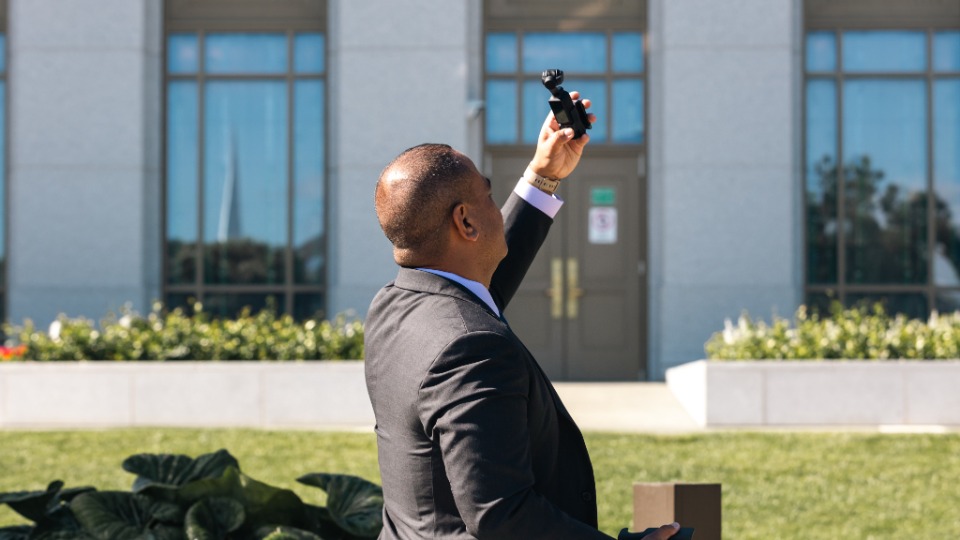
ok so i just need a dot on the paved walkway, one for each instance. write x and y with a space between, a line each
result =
625 406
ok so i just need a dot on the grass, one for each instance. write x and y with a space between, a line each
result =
775 485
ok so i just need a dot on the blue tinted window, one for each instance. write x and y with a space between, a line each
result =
501 53
627 124
182 54
946 51
628 51
820 172
245 181
182 183
3 52
946 178
246 53
501 112
308 53
3 177
821 51
885 149
884 51
574 52
308 173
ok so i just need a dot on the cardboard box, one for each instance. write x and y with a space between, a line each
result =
691 505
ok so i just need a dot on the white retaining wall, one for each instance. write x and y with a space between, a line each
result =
824 393
209 394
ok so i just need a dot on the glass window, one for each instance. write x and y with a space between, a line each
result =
875 231
946 51
946 179
821 51
628 51
3 175
573 52
614 88
246 53
884 51
821 181
245 186
501 53
885 148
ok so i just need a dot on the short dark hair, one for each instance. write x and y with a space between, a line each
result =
427 181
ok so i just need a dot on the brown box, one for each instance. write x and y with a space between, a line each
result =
691 505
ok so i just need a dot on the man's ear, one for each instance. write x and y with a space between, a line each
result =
463 222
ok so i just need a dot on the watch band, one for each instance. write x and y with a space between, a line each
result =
544 184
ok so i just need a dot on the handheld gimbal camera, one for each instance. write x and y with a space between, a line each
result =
568 112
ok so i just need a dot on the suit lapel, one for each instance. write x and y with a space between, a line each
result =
417 280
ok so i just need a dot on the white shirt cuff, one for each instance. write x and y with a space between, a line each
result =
548 204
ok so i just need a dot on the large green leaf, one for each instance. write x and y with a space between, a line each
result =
160 474
261 502
18 532
59 524
213 518
33 505
285 533
355 504
118 515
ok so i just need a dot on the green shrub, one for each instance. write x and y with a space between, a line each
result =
174 335
177 497
857 333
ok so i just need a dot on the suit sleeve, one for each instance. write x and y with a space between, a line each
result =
474 401
526 229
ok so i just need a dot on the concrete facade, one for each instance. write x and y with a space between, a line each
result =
724 127
84 157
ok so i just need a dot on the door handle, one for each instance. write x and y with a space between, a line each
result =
574 292
555 292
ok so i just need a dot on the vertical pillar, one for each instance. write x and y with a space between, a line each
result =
401 73
725 195
84 168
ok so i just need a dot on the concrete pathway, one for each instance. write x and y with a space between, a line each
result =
641 407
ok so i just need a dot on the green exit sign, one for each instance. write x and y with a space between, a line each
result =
603 196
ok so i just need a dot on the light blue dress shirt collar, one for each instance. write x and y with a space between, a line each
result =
476 288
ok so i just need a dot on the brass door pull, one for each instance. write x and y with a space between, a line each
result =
555 292
574 292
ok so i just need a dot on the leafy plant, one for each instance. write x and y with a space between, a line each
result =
175 497
175 335
860 333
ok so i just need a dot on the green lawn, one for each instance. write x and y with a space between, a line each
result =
775 485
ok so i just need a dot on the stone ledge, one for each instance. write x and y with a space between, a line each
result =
313 394
819 393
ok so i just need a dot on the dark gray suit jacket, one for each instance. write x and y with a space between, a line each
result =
473 440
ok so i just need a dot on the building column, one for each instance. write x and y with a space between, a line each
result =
84 168
725 197
401 74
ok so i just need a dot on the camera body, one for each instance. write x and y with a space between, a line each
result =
569 113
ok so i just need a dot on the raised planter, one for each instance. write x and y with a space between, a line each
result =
215 394
819 393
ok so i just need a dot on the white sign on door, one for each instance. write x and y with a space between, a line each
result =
602 227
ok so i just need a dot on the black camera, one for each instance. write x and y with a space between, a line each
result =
569 113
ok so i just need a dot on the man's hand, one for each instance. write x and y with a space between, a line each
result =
558 153
664 532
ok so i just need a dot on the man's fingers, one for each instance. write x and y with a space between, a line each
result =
664 532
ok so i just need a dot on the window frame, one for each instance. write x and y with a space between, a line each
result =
201 21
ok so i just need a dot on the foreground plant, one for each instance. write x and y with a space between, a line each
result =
176 497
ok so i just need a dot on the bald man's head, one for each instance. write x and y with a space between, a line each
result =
415 196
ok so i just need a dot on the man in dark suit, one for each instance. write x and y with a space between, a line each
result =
473 440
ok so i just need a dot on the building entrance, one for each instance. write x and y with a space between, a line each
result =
581 308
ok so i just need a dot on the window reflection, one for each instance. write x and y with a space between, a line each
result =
884 51
885 142
236 223
946 51
821 181
513 117
574 52
946 178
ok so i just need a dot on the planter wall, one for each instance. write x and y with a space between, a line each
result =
189 394
819 393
